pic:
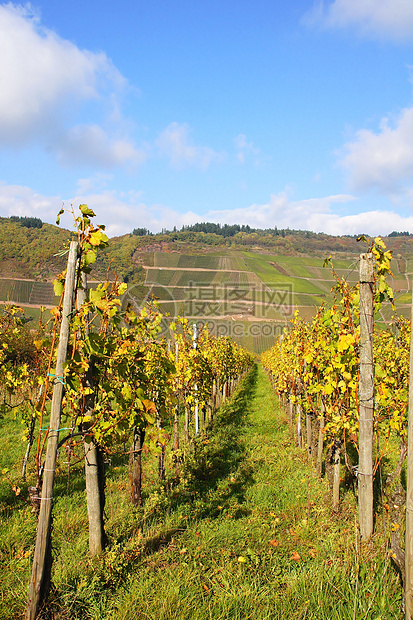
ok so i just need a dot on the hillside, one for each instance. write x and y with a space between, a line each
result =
247 286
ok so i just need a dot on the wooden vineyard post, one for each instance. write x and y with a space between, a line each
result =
408 588
42 560
136 465
366 395
224 393
309 436
161 455
336 473
196 412
176 408
320 445
214 399
186 423
94 466
290 413
299 433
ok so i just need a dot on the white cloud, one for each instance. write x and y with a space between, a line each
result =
315 214
42 75
389 19
382 160
97 182
24 201
90 145
44 79
373 223
245 149
175 143
123 212
282 212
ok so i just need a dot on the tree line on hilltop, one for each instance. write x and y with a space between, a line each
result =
224 230
27 222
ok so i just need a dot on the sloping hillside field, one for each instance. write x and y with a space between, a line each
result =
247 295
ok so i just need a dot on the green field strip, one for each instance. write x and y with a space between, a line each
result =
212 262
198 278
268 274
403 298
43 294
16 290
310 300
299 285
294 270
307 261
164 259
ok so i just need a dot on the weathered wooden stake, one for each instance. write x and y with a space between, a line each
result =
136 465
42 560
309 436
366 396
186 423
94 465
299 433
336 477
290 414
320 445
196 412
408 555
176 408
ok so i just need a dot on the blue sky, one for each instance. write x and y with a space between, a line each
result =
167 112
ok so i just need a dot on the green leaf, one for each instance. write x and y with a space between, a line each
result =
86 211
90 257
58 216
98 238
58 287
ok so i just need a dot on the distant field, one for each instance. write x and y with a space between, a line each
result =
171 277
260 296
248 295
27 292
200 261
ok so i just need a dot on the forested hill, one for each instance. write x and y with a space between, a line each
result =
33 252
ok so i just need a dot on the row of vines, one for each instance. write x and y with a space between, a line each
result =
114 383
316 369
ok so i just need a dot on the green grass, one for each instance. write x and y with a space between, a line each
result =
214 261
248 533
262 267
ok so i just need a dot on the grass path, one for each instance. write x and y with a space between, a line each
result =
248 534
255 537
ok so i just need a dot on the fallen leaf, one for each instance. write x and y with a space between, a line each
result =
295 556
313 553
274 543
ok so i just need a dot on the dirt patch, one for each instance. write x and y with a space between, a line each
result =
280 269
